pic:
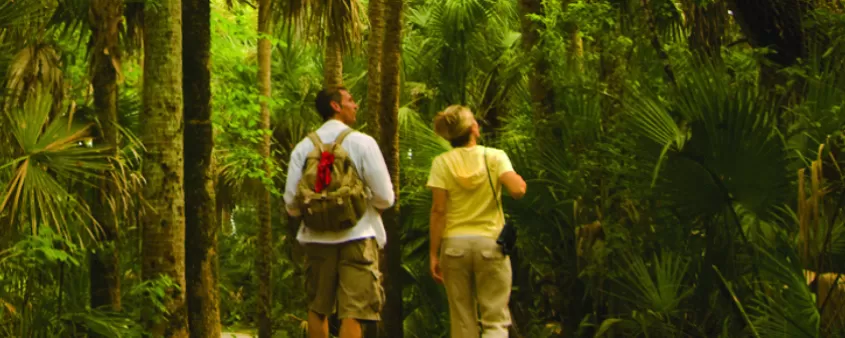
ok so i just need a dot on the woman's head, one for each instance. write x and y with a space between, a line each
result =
457 125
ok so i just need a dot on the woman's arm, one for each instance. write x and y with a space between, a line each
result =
514 184
437 224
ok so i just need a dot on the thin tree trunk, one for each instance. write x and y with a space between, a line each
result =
707 26
164 215
201 263
105 264
375 43
575 44
776 25
265 233
333 62
389 116
542 96
655 42
375 12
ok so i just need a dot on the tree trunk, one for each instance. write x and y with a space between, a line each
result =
375 12
389 116
333 62
575 44
200 212
774 24
265 233
105 18
707 26
163 247
542 95
655 42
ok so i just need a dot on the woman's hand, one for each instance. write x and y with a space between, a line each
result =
436 273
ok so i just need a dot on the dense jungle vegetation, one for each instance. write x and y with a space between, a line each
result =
683 158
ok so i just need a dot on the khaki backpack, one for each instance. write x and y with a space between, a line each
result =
335 199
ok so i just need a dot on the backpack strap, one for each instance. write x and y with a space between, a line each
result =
342 136
316 140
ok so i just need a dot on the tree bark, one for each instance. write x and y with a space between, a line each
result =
375 12
163 248
575 44
389 116
333 62
656 44
774 24
265 233
707 26
105 16
201 266
542 95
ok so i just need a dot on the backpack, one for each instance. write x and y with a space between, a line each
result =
330 195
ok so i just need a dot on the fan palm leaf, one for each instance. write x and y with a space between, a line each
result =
785 306
36 65
49 153
317 18
725 147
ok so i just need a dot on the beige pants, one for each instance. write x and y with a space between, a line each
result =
477 277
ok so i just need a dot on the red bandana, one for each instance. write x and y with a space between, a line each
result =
324 171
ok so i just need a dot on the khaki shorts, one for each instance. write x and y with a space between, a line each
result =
344 278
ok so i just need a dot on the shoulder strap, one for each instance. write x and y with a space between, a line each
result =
316 140
342 136
490 180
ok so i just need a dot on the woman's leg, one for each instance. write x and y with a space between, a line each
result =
493 283
456 260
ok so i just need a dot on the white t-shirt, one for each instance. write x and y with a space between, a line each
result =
365 153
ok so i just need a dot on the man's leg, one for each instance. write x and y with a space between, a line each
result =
321 286
350 328
318 325
360 295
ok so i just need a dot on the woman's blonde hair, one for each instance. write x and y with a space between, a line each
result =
452 122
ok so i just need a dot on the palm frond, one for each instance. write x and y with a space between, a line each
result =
785 307
49 152
661 288
35 66
726 147
319 18
24 12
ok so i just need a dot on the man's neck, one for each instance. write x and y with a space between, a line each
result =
336 119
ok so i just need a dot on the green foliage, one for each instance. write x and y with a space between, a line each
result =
49 150
654 209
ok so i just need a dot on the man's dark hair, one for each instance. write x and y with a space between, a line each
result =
462 140
324 100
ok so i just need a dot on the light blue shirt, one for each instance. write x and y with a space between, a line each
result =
366 155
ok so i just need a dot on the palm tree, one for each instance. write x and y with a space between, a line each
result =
163 219
389 121
337 25
264 201
375 13
201 264
105 60
542 97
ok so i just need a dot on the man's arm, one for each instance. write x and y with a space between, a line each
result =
376 176
294 175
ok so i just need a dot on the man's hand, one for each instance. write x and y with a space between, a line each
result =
436 272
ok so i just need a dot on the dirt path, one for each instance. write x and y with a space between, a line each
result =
235 335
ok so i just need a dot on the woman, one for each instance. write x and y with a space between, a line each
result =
465 221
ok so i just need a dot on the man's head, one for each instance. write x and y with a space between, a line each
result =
336 103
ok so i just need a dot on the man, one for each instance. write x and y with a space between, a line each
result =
342 266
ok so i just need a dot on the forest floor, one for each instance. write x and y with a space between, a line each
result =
240 334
